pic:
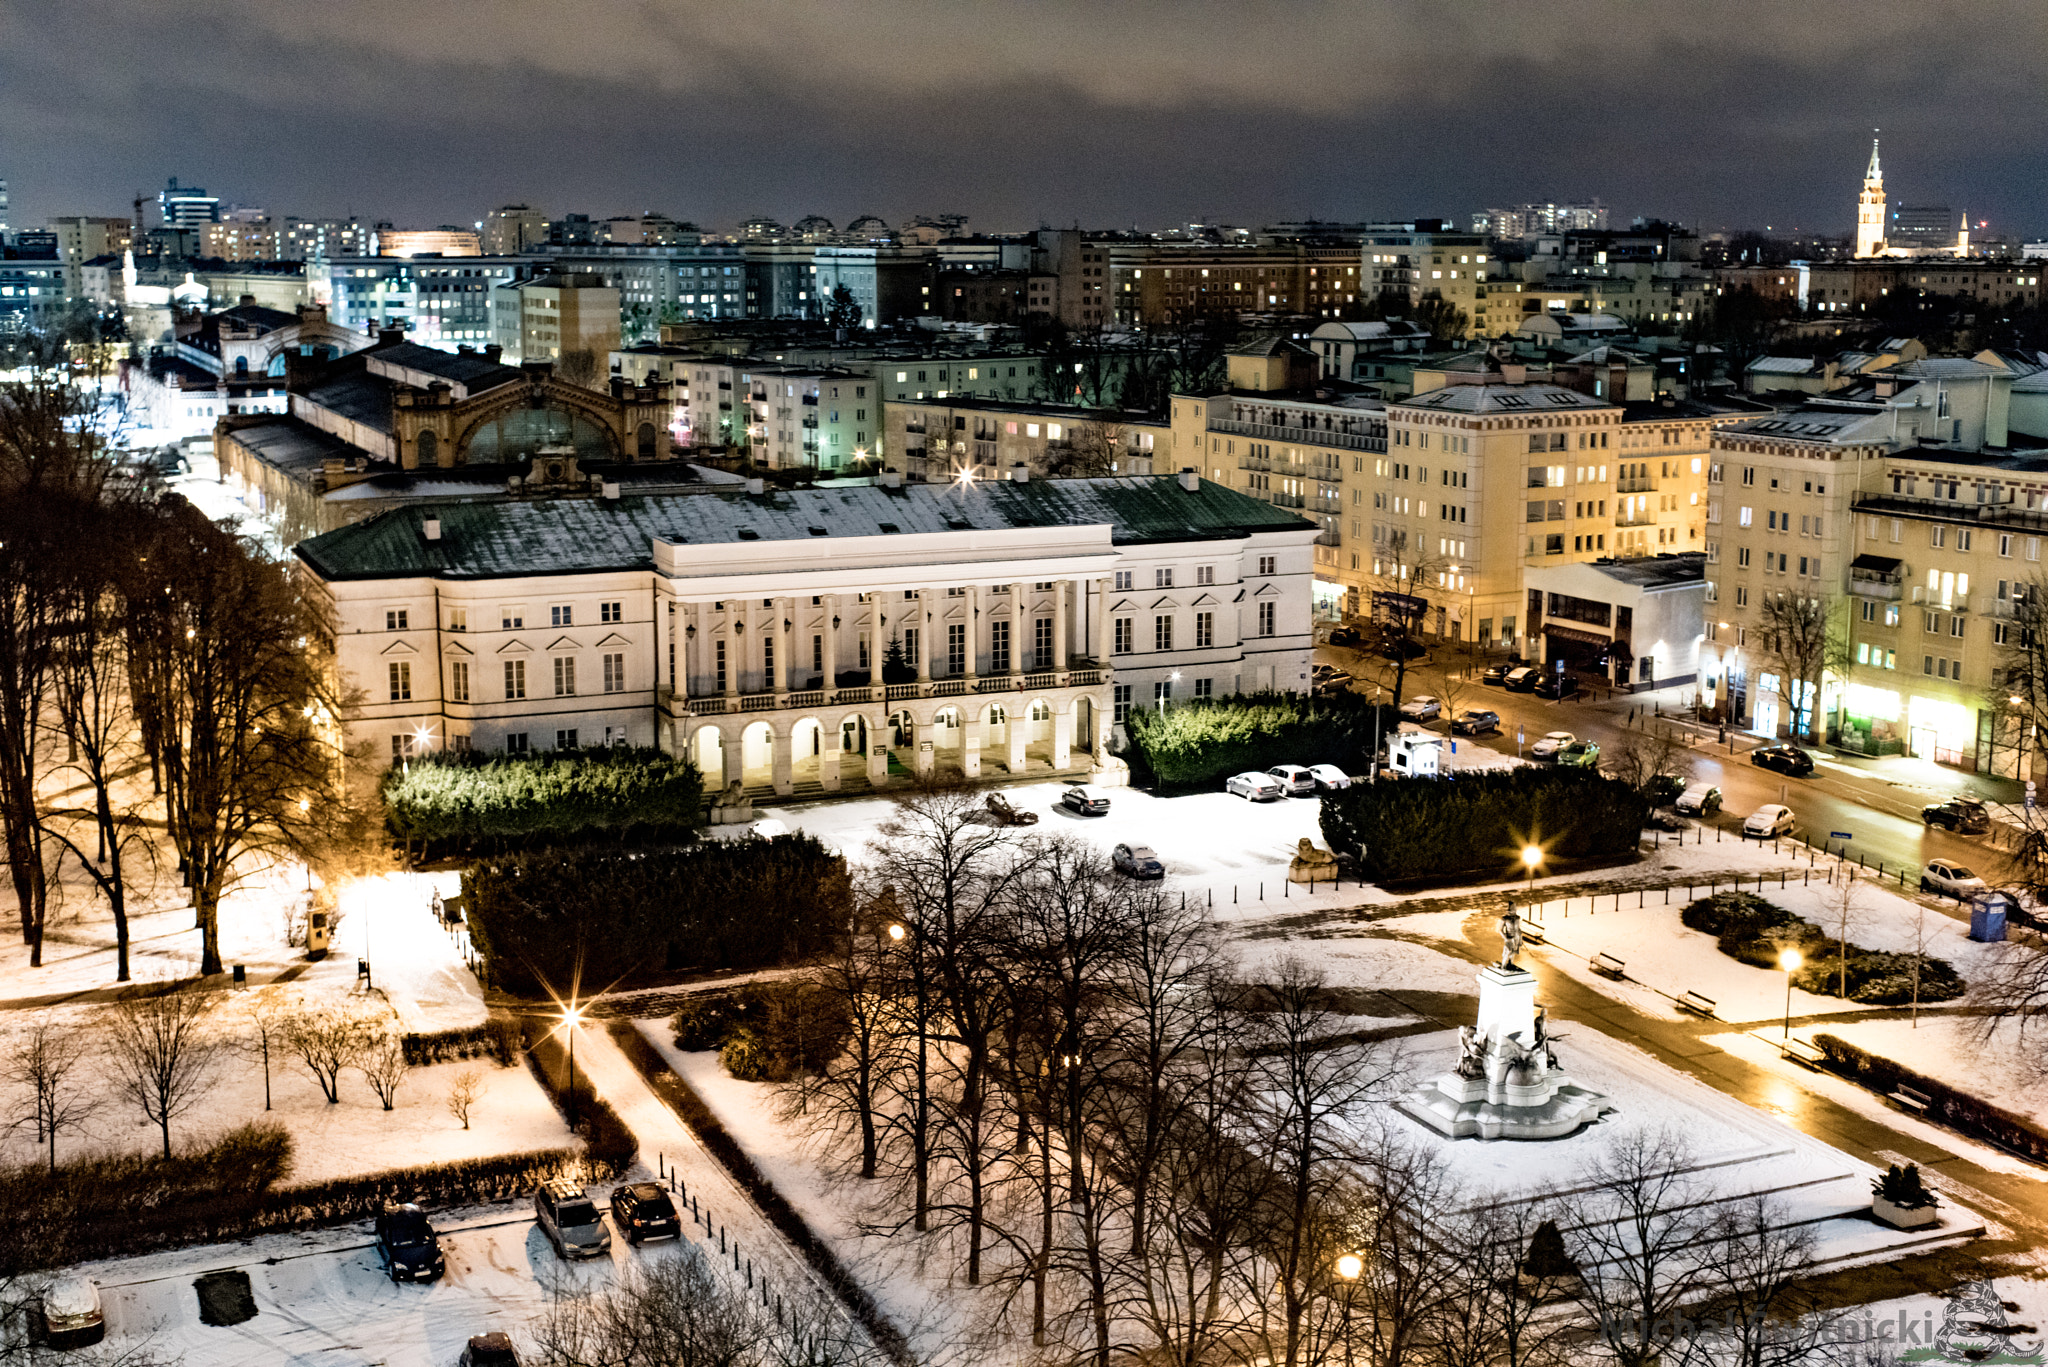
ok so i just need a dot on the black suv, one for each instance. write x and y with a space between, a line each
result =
1559 686
1963 814
408 1245
643 1211
1786 759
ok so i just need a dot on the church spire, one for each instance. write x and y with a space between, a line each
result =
1875 173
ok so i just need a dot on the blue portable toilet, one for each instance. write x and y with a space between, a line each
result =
1987 916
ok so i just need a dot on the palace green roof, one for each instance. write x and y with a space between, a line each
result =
511 539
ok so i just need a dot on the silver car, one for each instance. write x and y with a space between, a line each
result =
1295 780
1254 787
571 1220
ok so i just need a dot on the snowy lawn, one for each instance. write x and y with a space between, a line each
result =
1950 1048
329 1140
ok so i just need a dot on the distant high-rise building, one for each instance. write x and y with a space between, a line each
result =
3 206
80 238
1930 227
187 206
1537 220
513 229
1870 209
446 240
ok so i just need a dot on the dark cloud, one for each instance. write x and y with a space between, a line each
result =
1141 111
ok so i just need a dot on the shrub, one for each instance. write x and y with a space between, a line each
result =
1966 1113
608 1144
1756 932
497 1037
1903 1187
791 1025
1195 744
740 1054
608 915
1452 827
703 1020
469 798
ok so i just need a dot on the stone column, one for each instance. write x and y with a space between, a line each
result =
1063 735
922 743
780 759
828 758
878 753
1018 621
735 647
926 622
1103 643
973 634
831 643
973 734
1017 715
1059 622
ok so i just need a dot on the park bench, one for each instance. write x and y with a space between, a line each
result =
1532 933
1803 1052
1697 1004
1908 1098
1607 966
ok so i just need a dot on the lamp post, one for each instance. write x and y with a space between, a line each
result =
571 1018
1789 960
1532 855
1349 1267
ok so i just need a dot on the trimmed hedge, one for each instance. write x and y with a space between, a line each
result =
602 916
1198 743
608 1144
1755 931
462 799
1478 822
766 1031
497 1038
681 1098
1959 1110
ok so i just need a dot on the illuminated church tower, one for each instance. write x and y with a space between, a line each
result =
1870 210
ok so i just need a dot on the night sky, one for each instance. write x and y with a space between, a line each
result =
1106 112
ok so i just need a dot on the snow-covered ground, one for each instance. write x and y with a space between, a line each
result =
1999 1070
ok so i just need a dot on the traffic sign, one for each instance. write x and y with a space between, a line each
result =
1840 835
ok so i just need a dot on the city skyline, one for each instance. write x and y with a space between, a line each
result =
433 116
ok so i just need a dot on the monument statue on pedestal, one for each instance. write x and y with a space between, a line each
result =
1507 1083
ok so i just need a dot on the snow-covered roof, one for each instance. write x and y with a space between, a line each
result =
1502 398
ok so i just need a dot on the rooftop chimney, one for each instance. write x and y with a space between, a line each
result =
1020 473
892 478
757 485
1189 480
611 490
1514 374
430 528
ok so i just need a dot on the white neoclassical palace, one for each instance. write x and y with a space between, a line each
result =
816 640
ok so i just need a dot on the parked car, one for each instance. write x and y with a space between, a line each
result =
1768 821
408 1245
571 1221
1255 787
1475 722
1786 759
643 1211
71 1313
1663 788
1084 800
1498 674
1701 799
1964 814
1002 813
1332 684
1137 861
1558 686
1521 680
1295 780
1346 636
1548 746
1422 708
1949 878
1402 647
1329 778
489 1350
1580 754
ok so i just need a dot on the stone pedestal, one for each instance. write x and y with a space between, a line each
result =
1508 1083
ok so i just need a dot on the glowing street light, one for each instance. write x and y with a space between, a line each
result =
896 932
1350 1266
1532 855
1789 960
572 1016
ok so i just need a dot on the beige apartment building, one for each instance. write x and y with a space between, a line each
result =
1914 506
944 439
555 316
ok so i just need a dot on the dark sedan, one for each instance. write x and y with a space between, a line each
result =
1786 759
408 1245
1137 861
1965 815
1558 686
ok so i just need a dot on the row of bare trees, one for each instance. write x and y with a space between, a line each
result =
1063 1088
138 637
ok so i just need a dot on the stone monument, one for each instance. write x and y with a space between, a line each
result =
1311 864
1507 1083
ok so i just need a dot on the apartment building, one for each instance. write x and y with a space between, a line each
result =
1412 264
555 316
80 238
769 636
443 303
975 438
1914 507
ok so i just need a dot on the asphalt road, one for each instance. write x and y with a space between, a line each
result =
1881 816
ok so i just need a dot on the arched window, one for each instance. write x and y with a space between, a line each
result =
646 441
241 367
429 448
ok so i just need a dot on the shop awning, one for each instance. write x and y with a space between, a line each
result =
1591 638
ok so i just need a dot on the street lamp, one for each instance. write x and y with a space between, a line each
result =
1532 855
1789 960
896 932
1349 1268
571 1018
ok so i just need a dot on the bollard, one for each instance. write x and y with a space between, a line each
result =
1262 890
660 1165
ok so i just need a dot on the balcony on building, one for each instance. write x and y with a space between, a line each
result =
1877 576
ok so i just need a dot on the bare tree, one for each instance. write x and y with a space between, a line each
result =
581 367
1842 906
1094 447
1395 1218
164 1051
1405 572
859 977
42 1062
464 1093
384 1065
232 677
271 1020
1493 1308
1640 1246
1795 630
329 1041
1647 755
1758 1265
